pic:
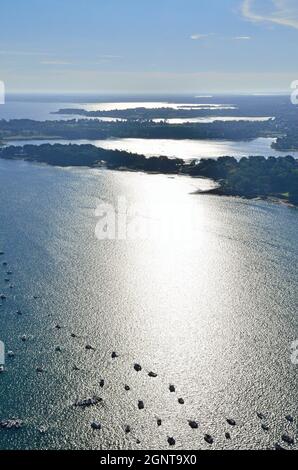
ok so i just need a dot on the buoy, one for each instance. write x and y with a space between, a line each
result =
152 374
171 441
137 367
231 422
278 447
96 425
209 439
193 424
289 440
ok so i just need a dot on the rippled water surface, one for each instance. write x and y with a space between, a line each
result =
42 111
185 148
210 120
213 313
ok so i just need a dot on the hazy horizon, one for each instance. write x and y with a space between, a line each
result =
168 47
110 95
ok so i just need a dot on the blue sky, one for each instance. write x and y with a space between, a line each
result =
138 46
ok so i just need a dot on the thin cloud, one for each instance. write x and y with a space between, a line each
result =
55 62
98 61
51 58
26 53
242 38
281 12
110 57
197 37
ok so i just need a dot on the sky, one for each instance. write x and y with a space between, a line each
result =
148 46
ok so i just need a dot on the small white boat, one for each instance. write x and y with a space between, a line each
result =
2 356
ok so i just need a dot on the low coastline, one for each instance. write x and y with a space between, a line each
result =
277 199
273 179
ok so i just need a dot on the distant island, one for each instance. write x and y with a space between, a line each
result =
284 134
94 129
282 127
248 177
147 114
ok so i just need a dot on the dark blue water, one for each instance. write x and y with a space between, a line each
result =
214 314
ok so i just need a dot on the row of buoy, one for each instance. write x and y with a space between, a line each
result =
8 273
194 424
9 424
6 279
138 368
96 425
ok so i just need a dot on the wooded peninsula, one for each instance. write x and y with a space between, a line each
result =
248 177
